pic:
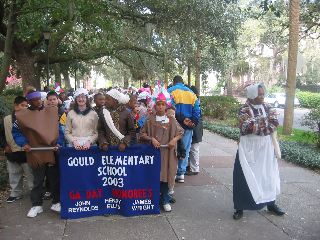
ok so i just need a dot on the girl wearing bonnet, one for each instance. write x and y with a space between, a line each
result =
82 121
256 181
158 130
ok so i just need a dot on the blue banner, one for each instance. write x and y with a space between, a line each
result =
94 182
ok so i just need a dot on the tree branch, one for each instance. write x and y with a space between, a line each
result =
93 54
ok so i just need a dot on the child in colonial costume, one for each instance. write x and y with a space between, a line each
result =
81 128
160 129
16 157
256 181
116 127
99 99
34 127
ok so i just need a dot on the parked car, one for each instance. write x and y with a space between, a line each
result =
279 99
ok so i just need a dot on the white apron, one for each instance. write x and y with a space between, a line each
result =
260 167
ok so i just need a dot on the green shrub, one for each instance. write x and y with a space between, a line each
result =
4 107
302 154
4 110
220 107
226 131
3 174
17 91
308 99
312 120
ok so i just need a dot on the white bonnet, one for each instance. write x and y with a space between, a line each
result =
81 91
252 90
120 97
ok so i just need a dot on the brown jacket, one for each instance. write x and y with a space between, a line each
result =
164 133
122 121
41 128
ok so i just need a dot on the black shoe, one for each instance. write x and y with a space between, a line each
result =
275 209
190 173
238 214
47 196
12 199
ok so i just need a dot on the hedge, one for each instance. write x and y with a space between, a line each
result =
220 107
308 99
226 131
302 154
4 177
6 106
17 91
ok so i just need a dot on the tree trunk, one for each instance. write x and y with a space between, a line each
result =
66 78
26 65
197 68
294 11
125 82
166 78
57 73
229 84
189 74
8 46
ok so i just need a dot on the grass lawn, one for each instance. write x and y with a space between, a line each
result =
297 135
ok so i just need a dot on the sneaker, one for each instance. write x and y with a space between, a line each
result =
180 178
33 212
12 199
190 173
56 207
167 207
171 192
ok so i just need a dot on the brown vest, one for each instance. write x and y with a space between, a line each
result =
41 128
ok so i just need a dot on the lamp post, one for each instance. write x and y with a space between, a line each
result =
75 75
47 35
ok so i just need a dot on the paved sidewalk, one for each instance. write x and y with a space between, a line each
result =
203 210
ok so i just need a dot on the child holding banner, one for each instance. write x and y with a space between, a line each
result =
163 132
116 127
36 127
16 158
81 128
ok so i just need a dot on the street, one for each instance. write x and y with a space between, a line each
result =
298 115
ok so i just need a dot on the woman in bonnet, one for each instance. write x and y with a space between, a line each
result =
82 122
256 181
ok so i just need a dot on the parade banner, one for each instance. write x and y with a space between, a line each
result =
94 182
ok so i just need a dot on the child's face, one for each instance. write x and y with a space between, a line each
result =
36 103
100 101
52 101
161 108
136 109
18 107
133 102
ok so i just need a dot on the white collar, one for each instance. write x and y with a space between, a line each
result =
162 119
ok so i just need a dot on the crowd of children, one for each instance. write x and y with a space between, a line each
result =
115 119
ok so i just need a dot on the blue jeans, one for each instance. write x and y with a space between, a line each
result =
186 141
164 193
